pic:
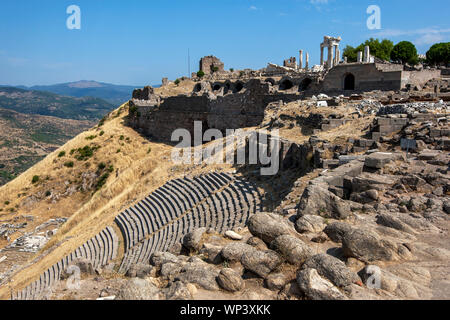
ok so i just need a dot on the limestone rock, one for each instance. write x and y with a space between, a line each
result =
159 258
233 235
317 200
267 226
261 262
294 250
276 282
308 223
139 270
234 251
178 291
201 274
336 230
192 239
230 280
317 288
332 269
367 245
138 289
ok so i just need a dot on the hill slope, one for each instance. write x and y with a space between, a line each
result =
50 104
27 139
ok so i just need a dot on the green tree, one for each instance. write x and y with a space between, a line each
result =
350 53
380 49
439 54
405 52
200 74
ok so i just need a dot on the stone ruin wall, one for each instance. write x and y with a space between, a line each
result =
234 110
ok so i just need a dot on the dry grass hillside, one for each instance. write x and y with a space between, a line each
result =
88 180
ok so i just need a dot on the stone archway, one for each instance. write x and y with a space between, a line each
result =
286 84
304 85
349 82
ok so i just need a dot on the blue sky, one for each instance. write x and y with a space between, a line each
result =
137 42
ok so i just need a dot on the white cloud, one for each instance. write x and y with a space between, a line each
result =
424 36
316 2
253 8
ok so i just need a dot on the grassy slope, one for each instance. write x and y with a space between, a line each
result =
136 173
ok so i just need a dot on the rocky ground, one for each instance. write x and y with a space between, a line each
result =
370 220
388 241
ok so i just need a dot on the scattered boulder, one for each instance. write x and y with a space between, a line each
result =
233 235
276 281
139 270
333 269
308 223
199 273
178 291
267 226
294 250
388 220
336 230
261 263
367 245
317 200
235 250
159 258
138 289
317 288
378 160
192 240
230 280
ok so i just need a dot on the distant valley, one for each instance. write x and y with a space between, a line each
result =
34 123
114 94
26 139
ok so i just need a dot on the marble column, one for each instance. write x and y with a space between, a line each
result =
359 58
307 61
367 54
321 55
300 62
330 57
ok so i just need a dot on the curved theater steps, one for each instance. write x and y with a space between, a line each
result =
159 221
100 250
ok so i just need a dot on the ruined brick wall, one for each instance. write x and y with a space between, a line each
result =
419 78
367 77
209 63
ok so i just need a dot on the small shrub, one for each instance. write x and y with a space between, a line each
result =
200 74
177 82
101 166
118 151
69 164
35 179
7 203
149 150
111 168
61 154
231 70
101 182
91 137
102 133
122 138
48 193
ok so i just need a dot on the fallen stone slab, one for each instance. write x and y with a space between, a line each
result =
378 160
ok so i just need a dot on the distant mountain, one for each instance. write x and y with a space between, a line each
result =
51 104
115 94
